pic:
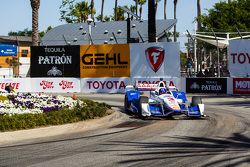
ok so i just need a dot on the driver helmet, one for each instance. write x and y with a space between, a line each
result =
162 91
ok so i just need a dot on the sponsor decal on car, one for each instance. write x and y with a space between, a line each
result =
169 83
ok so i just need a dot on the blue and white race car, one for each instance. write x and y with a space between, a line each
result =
163 101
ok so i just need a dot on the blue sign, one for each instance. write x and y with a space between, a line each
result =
8 49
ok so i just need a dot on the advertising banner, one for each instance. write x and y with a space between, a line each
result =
8 49
18 84
104 85
155 60
49 85
104 61
55 61
241 85
239 58
206 85
59 85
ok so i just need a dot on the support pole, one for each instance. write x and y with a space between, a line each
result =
195 52
115 37
218 55
195 55
128 29
140 36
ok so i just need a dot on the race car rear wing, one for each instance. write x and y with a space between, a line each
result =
146 87
150 87
142 87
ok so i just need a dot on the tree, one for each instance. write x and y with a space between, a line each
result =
35 4
183 59
175 5
198 15
226 16
165 9
42 33
25 32
151 21
104 18
116 3
92 9
13 63
102 10
141 2
132 8
66 6
136 6
28 33
75 12
156 5
120 14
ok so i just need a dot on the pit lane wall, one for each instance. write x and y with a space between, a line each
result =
75 85
48 85
231 86
109 68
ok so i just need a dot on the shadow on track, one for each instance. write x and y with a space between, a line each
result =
236 150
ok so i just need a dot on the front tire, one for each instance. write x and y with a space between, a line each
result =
143 99
126 105
196 100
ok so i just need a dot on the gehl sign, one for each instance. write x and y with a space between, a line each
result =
86 61
105 61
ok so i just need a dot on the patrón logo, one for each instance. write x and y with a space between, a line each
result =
54 72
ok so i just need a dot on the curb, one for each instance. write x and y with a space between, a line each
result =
23 136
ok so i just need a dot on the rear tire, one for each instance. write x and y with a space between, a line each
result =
143 99
196 100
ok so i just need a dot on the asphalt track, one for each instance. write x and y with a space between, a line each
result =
220 139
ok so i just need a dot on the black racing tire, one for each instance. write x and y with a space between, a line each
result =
126 105
143 99
170 117
196 100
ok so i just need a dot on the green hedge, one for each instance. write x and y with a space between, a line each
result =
79 113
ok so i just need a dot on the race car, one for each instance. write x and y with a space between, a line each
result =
162 101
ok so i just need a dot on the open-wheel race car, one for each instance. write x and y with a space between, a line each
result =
162 101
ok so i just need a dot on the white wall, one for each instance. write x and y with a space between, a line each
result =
6 72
